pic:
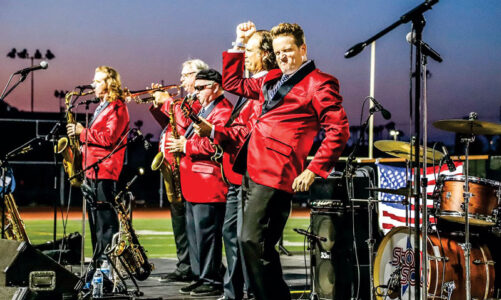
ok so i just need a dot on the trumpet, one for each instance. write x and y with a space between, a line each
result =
173 90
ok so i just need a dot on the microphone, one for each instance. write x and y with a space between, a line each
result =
43 65
310 235
355 50
425 48
85 87
448 160
146 144
386 114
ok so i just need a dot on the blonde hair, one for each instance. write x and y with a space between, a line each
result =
196 64
113 83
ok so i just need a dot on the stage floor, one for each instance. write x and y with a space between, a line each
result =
293 268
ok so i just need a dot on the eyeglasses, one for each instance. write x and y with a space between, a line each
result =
187 74
202 87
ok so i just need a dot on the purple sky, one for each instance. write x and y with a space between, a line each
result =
146 41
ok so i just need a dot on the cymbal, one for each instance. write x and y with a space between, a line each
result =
403 150
469 126
400 191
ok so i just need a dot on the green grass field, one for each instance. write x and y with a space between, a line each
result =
155 235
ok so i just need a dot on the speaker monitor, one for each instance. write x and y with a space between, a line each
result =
336 271
23 266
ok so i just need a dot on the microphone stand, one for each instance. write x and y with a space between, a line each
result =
416 17
349 174
313 239
52 137
4 167
22 78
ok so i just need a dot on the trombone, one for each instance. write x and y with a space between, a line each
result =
173 91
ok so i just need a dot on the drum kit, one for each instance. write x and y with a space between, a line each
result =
455 268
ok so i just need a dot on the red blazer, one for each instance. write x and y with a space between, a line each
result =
104 133
161 115
232 137
201 180
279 143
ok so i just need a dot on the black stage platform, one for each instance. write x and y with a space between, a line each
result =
293 268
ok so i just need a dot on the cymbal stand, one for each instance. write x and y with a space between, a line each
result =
424 183
466 195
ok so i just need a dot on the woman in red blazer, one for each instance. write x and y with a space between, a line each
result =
106 131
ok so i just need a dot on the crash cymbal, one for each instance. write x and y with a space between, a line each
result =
403 150
401 191
469 126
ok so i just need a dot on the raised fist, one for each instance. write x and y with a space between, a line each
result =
245 31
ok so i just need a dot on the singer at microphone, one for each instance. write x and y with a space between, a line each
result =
101 142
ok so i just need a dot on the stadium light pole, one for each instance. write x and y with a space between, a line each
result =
24 55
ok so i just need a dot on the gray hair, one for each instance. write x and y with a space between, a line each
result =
197 64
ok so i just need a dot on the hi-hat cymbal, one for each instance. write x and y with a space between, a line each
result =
401 191
403 150
469 126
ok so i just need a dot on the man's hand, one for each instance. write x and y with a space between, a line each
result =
203 129
244 32
160 97
176 145
303 182
74 129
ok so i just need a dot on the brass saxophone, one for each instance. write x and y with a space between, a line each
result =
170 172
14 227
69 147
127 247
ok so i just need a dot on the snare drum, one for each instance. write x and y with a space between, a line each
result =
446 268
484 201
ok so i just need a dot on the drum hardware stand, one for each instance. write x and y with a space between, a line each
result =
466 195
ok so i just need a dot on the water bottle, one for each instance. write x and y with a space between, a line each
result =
105 269
97 284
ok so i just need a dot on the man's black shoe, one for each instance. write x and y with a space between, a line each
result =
207 289
189 288
177 277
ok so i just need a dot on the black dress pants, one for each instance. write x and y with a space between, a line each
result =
265 213
178 218
103 220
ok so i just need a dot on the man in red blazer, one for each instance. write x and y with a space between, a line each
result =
204 187
297 100
106 131
259 58
161 111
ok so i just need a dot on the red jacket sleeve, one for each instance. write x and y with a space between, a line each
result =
327 104
233 80
201 148
116 123
160 114
235 134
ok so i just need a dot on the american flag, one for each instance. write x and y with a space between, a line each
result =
390 177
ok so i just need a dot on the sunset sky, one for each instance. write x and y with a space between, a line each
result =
146 41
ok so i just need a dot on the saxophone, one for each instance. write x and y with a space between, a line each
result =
69 147
126 245
170 172
14 227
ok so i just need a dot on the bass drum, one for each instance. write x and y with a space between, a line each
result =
446 270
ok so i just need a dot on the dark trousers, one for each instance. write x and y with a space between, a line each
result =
178 217
235 272
265 214
204 225
103 220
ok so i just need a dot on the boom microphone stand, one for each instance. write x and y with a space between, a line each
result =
416 17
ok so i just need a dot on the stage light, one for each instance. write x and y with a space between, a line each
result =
37 55
12 53
23 54
49 55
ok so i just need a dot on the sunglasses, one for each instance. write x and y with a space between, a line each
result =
202 87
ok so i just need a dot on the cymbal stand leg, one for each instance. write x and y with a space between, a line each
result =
370 243
466 196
